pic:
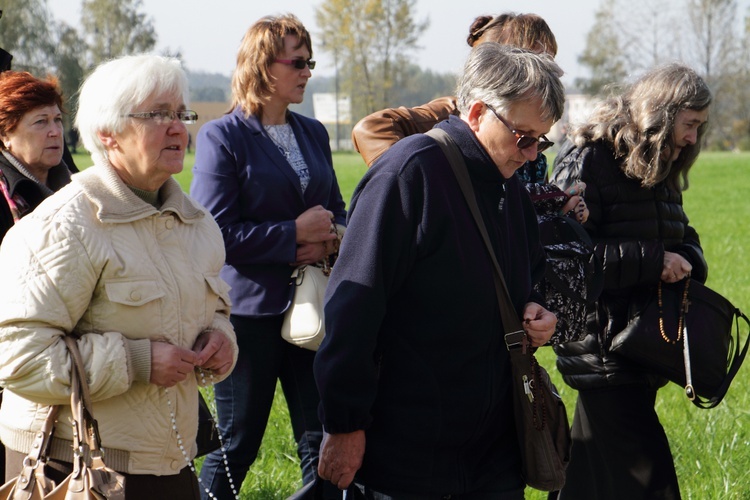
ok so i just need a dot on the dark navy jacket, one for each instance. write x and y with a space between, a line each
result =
255 196
414 349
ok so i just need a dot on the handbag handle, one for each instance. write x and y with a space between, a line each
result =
516 336
737 356
85 427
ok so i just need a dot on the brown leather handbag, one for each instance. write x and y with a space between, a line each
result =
91 479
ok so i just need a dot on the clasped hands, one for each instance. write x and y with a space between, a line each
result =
171 364
316 235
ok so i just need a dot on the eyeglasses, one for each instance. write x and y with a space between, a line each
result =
166 116
297 63
524 141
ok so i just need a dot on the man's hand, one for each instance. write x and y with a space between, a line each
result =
341 457
539 324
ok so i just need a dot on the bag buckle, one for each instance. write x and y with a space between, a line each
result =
515 339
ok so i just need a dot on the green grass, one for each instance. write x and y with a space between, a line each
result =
711 448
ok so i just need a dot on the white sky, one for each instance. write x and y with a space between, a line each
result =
207 33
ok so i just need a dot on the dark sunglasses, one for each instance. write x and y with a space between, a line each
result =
524 141
297 63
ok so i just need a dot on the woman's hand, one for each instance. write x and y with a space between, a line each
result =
538 323
576 203
310 253
170 364
314 226
316 236
676 267
214 352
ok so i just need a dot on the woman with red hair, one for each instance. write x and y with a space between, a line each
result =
31 144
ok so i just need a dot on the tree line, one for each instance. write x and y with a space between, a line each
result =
712 36
371 43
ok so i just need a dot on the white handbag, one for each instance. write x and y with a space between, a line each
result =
304 324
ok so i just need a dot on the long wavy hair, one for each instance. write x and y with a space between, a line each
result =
639 125
252 84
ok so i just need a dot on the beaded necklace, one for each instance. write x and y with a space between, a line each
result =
681 317
181 443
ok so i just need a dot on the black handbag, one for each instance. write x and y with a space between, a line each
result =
541 419
316 490
684 332
207 438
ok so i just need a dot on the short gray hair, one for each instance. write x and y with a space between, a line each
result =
119 86
501 75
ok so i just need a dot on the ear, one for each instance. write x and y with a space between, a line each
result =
474 117
108 139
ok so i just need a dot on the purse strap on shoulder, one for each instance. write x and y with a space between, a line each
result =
515 335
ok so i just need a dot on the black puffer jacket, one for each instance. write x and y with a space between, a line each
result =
632 227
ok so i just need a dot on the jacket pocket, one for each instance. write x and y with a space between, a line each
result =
135 307
133 293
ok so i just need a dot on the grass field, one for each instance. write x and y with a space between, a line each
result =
711 447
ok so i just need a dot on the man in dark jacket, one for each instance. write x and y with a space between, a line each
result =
413 374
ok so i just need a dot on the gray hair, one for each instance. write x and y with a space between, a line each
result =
639 124
501 75
119 86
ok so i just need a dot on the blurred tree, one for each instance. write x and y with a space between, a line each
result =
712 45
713 33
26 32
629 36
370 40
604 54
740 90
416 86
396 34
114 28
647 31
70 67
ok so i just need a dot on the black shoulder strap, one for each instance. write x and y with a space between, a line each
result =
515 335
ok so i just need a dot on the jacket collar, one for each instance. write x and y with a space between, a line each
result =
58 176
270 148
115 201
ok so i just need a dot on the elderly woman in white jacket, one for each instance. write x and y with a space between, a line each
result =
125 262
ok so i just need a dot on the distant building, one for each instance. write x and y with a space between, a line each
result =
578 107
207 111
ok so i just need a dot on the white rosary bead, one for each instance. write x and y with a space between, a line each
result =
184 452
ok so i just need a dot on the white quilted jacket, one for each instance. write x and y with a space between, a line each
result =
97 261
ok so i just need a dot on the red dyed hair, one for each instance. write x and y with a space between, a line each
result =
21 92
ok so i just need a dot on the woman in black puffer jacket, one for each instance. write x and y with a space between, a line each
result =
634 155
